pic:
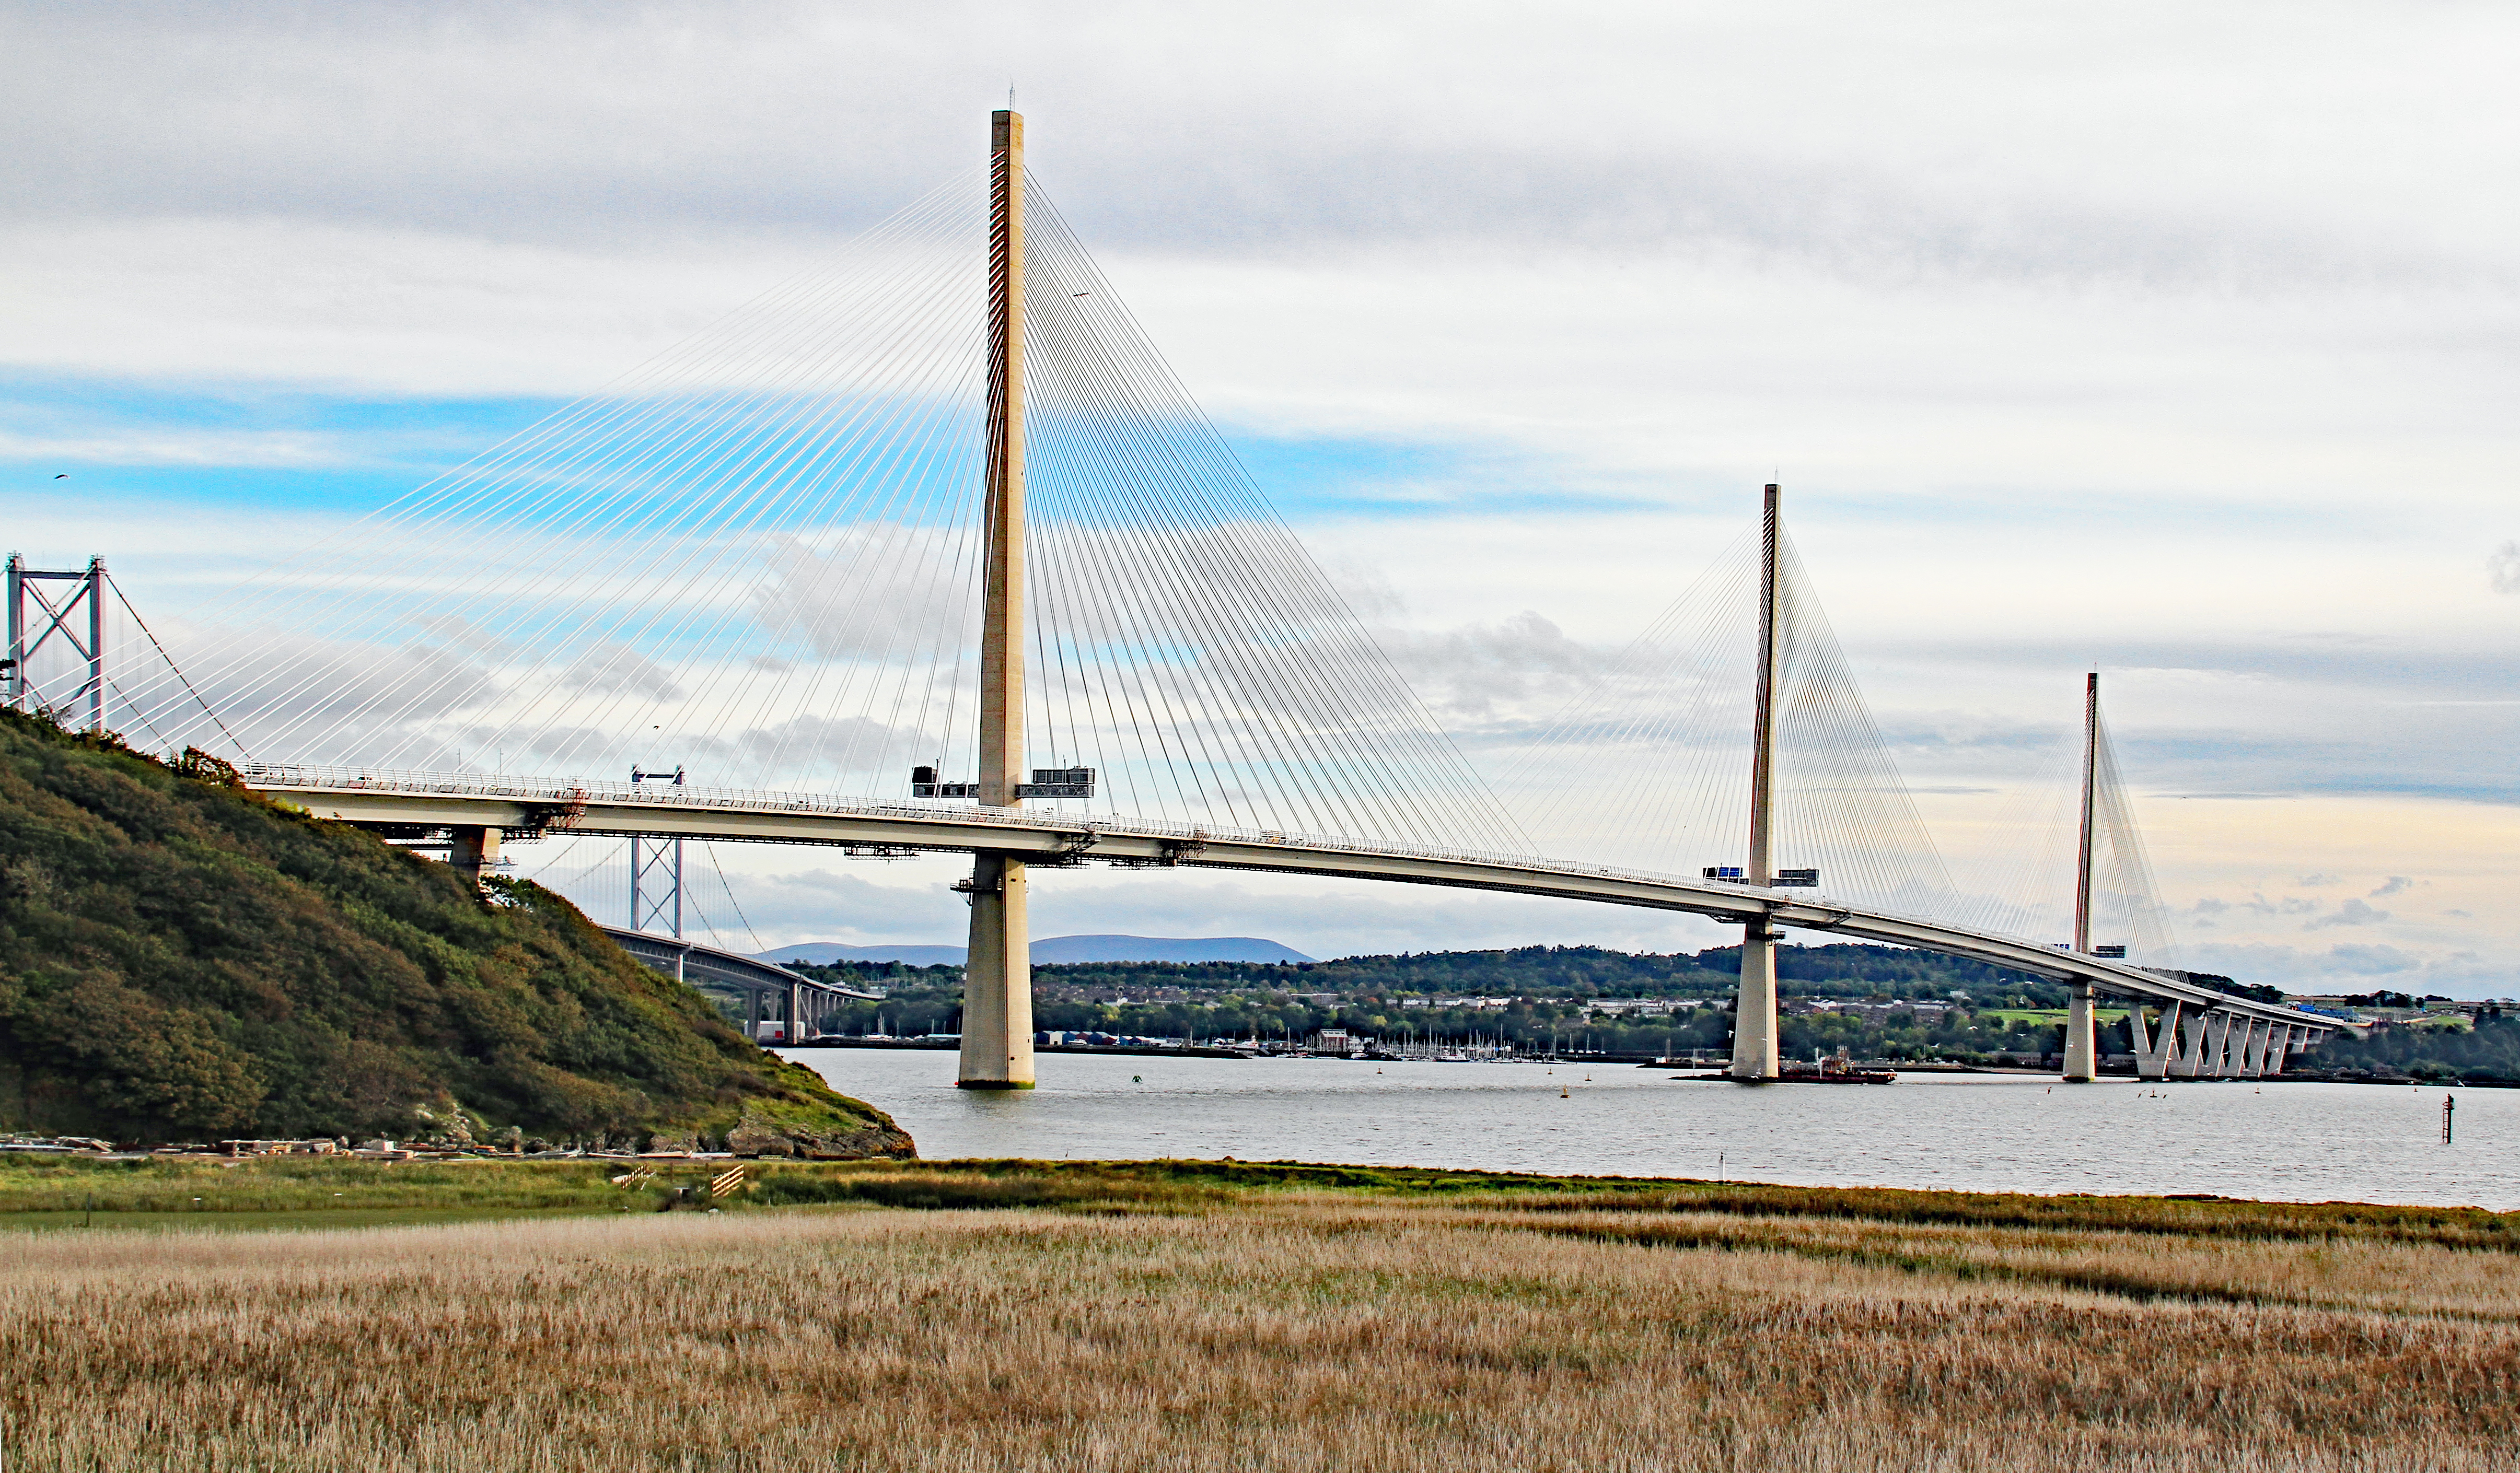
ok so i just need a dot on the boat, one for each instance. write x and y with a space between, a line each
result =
1833 1071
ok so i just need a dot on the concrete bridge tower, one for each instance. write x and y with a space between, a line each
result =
997 972
2081 1056
1754 1014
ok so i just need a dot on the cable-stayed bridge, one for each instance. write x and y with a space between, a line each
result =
929 551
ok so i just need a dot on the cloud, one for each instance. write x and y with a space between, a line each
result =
1523 664
2398 885
2351 912
2315 881
2502 569
2370 960
2342 966
612 668
564 121
168 446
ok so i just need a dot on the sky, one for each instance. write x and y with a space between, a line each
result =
2175 344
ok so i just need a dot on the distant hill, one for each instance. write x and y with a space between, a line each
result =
826 952
1070 950
182 960
1057 950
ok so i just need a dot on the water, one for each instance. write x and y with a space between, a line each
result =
1968 1132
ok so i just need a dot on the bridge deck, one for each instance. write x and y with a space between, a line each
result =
431 801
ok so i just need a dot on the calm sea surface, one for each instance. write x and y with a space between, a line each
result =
1977 1133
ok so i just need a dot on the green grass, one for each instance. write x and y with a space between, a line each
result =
248 1220
316 1188
2102 1015
319 1192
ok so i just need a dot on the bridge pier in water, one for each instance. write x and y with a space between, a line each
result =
997 980
1754 1010
2082 1056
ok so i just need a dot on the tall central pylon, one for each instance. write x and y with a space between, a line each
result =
2082 1055
1754 1014
997 970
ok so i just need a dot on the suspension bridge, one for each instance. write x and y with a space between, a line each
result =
877 538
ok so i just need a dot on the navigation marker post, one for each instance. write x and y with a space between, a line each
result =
997 970
2082 1055
1754 1014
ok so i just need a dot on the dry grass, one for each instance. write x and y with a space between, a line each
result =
1279 1331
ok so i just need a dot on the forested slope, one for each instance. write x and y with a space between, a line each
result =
182 960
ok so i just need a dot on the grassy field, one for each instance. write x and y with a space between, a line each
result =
1023 1316
2100 1016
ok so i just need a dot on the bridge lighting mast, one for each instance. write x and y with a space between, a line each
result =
2082 1058
1754 1014
997 973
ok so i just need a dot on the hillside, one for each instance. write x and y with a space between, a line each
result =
1836 969
181 960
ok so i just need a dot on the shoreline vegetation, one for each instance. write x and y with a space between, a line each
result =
1198 1314
1877 1003
206 1191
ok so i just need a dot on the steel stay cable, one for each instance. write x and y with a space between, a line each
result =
1186 413
481 484
1229 641
490 487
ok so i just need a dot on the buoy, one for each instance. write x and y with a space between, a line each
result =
1562 1095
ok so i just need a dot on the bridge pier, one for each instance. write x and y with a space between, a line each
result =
1754 1010
2137 1034
2081 1046
997 980
2187 1048
2218 1045
472 849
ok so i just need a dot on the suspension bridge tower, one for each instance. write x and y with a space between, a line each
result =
997 972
